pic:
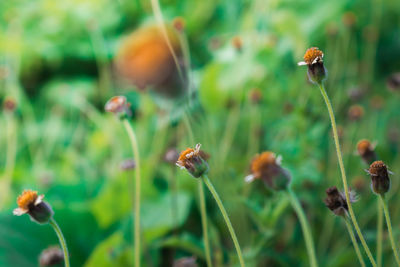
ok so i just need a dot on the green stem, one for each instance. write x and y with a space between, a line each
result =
389 226
226 218
355 244
305 228
61 238
135 149
379 237
203 212
343 172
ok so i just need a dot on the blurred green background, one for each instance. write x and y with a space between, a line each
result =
57 62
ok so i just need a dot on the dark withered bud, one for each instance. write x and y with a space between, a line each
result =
119 106
267 167
186 262
127 164
316 69
393 82
51 256
32 203
379 177
336 201
356 112
192 160
366 151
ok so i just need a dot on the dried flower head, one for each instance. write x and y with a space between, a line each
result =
146 61
380 182
192 160
118 105
366 150
393 82
316 69
336 201
32 203
267 167
51 256
356 112
186 262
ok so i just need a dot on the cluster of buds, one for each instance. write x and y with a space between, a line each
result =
193 160
316 69
336 201
29 202
267 167
380 182
119 106
366 150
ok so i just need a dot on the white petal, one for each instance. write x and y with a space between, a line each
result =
19 211
197 149
279 160
39 200
301 63
249 178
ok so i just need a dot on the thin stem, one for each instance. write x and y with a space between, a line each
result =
135 149
379 237
203 212
226 218
355 244
343 172
61 238
305 228
389 226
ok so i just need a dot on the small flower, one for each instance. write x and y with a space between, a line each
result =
356 112
379 177
336 201
32 203
192 160
267 166
51 256
127 164
316 70
366 150
185 262
118 105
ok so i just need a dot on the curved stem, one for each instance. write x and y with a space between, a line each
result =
389 226
203 213
354 241
379 237
305 228
226 218
61 238
135 149
343 172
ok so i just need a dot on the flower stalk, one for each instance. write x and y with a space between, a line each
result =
354 241
61 238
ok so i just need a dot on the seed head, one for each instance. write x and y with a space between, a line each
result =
32 203
366 151
379 177
336 201
192 160
51 256
267 167
316 69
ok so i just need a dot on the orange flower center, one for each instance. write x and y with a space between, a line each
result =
183 156
263 162
312 54
377 167
363 146
27 198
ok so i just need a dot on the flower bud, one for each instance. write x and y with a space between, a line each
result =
192 160
30 202
267 167
51 256
119 106
366 151
379 177
336 201
316 69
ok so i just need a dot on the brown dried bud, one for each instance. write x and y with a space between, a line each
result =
366 151
356 112
393 82
29 202
51 256
379 177
316 69
336 201
119 106
191 160
186 262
